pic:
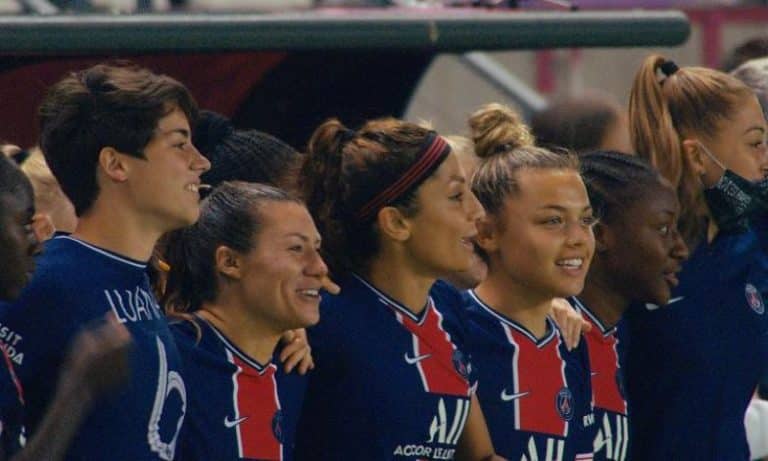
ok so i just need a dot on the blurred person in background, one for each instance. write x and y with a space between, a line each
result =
581 124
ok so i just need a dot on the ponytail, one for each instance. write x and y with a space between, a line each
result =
663 111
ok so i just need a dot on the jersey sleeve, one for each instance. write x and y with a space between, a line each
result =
39 328
11 409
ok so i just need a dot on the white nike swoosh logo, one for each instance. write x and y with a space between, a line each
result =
653 307
230 424
417 359
593 373
507 397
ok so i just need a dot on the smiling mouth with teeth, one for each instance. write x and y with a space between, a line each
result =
573 263
198 187
312 293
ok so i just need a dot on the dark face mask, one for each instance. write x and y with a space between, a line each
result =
734 200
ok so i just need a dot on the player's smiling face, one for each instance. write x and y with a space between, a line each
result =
644 268
164 185
281 276
444 227
542 239
17 245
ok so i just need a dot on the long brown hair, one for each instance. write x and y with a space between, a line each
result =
690 101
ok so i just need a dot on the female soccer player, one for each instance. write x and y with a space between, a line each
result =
632 199
693 365
537 239
97 361
117 138
245 273
392 379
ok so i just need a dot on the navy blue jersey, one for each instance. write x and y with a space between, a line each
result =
535 394
11 408
612 423
388 384
238 408
75 284
692 366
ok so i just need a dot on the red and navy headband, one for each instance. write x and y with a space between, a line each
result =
433 153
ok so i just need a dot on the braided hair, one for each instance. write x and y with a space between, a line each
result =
615 180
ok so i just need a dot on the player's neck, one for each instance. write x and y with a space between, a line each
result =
241 330
517 302
115 229
601 298
400 282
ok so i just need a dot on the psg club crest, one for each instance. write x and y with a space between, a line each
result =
277 426
461 364
564 404
754 299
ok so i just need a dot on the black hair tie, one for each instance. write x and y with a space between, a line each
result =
346 136
669 68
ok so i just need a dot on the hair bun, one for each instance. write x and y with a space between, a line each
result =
211 128
496 128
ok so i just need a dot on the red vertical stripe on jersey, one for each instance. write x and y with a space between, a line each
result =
539 372
433 354
604 360
256 403
12 372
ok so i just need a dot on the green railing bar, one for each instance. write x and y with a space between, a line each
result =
443 31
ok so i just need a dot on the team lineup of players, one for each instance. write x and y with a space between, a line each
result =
413 355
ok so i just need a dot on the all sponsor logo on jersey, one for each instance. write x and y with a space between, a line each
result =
612 438
754 299
564 404
551 450
444 432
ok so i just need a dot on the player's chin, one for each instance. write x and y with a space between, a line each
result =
565 287
659 294
308 318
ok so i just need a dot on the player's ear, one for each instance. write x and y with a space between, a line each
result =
228 262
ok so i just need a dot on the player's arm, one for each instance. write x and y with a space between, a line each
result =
475 442
570 322
97 363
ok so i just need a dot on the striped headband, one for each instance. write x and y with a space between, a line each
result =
433 154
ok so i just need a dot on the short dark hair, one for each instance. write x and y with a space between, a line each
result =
105 105
578 124
753 48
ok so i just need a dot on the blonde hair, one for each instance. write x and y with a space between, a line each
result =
692 101
49 198
505 145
